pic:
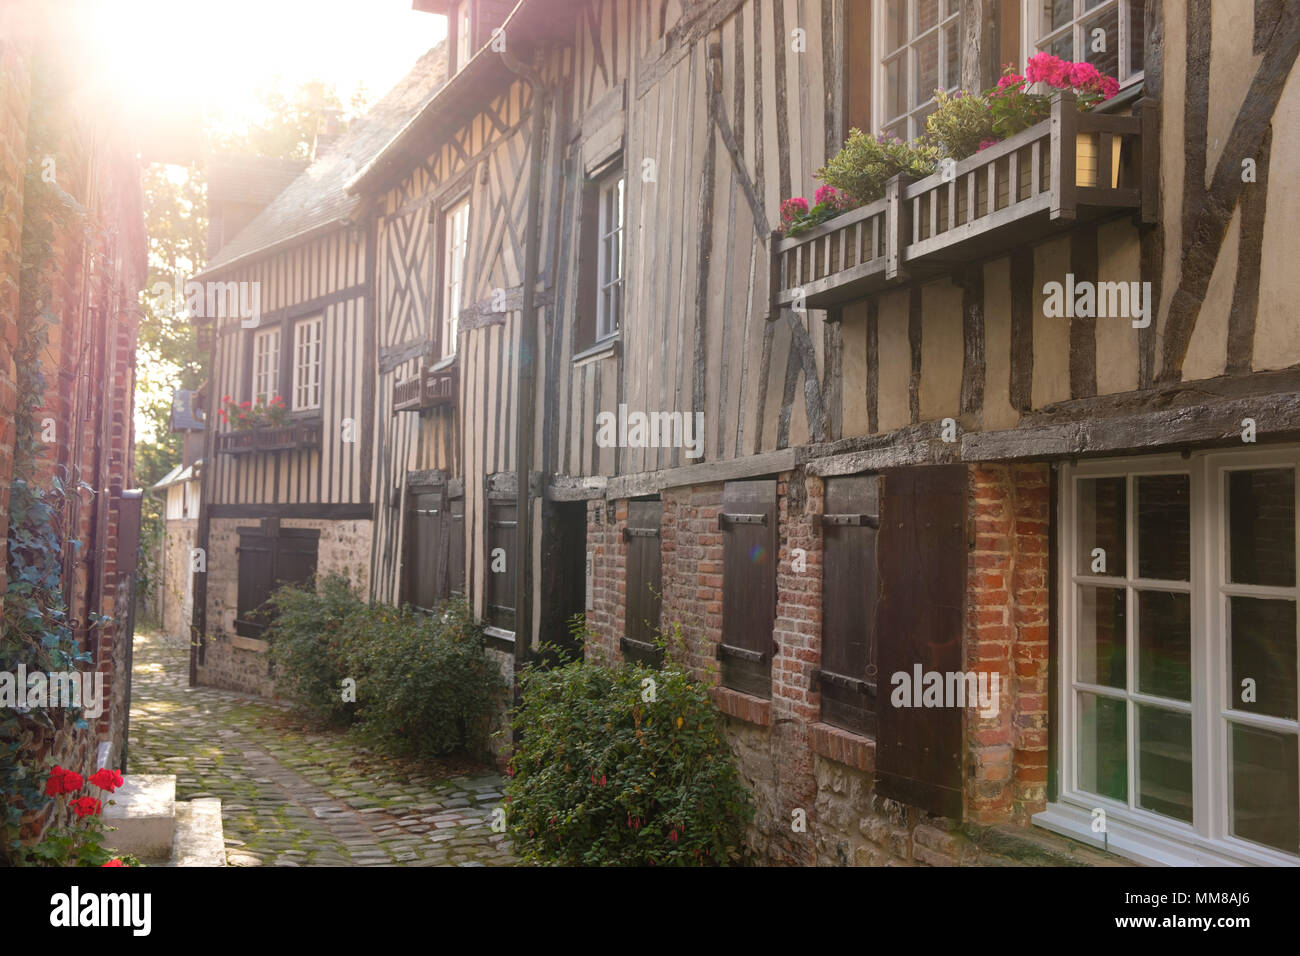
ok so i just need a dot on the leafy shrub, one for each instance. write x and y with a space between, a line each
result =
424 684
960 124
603 776
866 164
309 639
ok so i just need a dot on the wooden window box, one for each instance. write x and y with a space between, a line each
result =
1005 196
267 438
433 386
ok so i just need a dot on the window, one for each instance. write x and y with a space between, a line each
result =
848 677
306 363
455 240
502 531
266 364
918 52
749 546
1179 651
609 269
1106 33
463 48
270 556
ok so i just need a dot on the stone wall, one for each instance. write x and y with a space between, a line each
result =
814 783
240 663
176 591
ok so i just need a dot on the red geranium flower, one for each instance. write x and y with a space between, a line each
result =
54 785
72 781
114 862
107 779
245 404
86 806
226 398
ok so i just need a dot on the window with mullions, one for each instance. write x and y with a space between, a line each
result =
455 241
266 364
918 52
306 363
609 266
1106 33
1179 646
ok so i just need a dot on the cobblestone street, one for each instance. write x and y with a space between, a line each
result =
294 797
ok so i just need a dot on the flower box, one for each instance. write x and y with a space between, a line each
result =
268 438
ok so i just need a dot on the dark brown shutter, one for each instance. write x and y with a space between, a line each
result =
256 572
848 680
295 556
456 554
922 566
502 531
427 550
644 582
748 524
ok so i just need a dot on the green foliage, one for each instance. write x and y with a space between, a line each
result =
612 770
866 164
1012 109
960 124
424 683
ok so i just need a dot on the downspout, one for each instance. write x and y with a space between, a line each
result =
527 359
199 587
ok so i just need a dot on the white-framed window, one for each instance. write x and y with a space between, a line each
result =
1179 656
266 365
609 264
306 363
1109 34
455 241
461 23
918 50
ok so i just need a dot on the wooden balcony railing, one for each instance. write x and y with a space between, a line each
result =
270 438
430 387
1074 165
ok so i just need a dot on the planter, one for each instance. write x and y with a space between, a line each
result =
1086 158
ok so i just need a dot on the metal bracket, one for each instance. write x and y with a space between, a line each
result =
640 533
854 520
743 653
726 519
855 684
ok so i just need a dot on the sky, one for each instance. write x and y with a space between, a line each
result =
217 54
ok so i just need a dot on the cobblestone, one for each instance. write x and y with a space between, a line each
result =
297 797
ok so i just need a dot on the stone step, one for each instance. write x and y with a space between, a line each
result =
144 813
200 840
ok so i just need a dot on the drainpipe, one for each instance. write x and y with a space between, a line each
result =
528 363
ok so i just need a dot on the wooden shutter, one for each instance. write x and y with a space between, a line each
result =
456 552
644 584
502 532
748 524
847 680
295 556
922 568
427 549
256 562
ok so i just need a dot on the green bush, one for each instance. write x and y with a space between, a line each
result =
424 684
603 776
309 639
867 163
960 124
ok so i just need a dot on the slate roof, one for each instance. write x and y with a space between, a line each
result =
317 198
250 179
184 414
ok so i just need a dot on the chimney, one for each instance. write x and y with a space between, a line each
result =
328 129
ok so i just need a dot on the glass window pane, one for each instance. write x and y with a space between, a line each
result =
1265 787
1261 527
1102 514
927 15
1165 644
1164 762
1063 46
1102 636
1262 649
1136 37
1101 41
895 24
1057 13
926 56
951 49
1103 746
1164 527
895 89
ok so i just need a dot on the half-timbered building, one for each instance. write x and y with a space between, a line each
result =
902 458
288 305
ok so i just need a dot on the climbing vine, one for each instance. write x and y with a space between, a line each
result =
35 631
